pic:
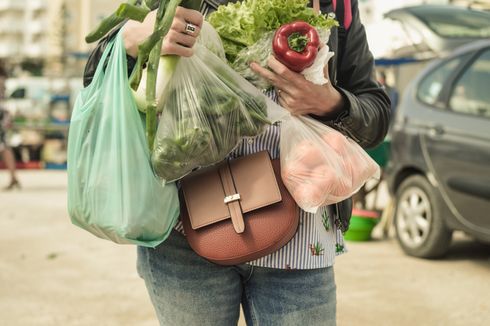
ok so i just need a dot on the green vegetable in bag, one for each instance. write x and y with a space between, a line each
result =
208 109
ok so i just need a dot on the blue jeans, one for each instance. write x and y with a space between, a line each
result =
187 290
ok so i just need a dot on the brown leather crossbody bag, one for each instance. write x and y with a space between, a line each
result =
238 211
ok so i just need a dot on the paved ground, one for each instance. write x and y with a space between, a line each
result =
52 273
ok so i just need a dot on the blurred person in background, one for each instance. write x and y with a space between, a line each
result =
5 123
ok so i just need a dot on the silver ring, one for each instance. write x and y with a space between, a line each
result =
190 28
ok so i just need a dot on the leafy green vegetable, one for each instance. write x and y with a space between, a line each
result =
243 23
199 133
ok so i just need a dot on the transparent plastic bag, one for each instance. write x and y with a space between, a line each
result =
112 190
319 165
258 52
208 109
208 37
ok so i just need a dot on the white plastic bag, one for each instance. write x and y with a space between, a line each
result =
319 165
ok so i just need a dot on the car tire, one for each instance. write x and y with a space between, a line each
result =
419 224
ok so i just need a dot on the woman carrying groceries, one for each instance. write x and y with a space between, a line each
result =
294 285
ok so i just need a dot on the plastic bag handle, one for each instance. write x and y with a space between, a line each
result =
103 59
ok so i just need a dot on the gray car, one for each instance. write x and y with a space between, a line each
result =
439 171
436 30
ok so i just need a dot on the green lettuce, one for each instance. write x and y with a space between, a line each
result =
243 23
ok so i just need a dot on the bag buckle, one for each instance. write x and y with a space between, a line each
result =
232 198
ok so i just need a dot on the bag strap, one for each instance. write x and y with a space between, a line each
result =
232 199
343 11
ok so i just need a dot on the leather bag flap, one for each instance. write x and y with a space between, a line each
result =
254 180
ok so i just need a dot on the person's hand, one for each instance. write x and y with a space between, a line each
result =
178 41
297 94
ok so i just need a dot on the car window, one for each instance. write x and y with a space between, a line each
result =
471 93
431 86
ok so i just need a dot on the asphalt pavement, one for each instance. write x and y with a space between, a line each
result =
52 273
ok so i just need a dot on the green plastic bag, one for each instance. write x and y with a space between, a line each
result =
112 189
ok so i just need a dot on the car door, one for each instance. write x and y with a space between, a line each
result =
457 144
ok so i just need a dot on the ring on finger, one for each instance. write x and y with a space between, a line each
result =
190 29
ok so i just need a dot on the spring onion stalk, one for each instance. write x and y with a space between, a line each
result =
149 52
151 4
133 12
107 24
165 15
166 70
164 18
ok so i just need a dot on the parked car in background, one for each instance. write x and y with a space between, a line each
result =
436 30
439 170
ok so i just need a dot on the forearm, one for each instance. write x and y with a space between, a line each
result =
366 116
366 111
96 54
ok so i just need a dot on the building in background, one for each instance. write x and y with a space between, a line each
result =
47 36
23 32
83 16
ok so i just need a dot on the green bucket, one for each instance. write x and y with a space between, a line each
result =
381 153
361 225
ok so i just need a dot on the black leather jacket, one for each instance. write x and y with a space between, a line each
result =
366 114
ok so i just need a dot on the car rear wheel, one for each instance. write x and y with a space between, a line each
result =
420 228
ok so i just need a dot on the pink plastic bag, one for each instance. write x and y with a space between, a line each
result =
319 165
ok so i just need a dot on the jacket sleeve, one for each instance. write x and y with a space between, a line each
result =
96 54
366 115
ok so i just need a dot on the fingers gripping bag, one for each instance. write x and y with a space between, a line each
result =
207 109
112 189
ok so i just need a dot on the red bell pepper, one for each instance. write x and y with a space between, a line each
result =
296 45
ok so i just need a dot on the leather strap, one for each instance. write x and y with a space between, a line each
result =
234 205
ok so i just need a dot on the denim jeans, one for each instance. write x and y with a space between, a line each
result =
187 290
